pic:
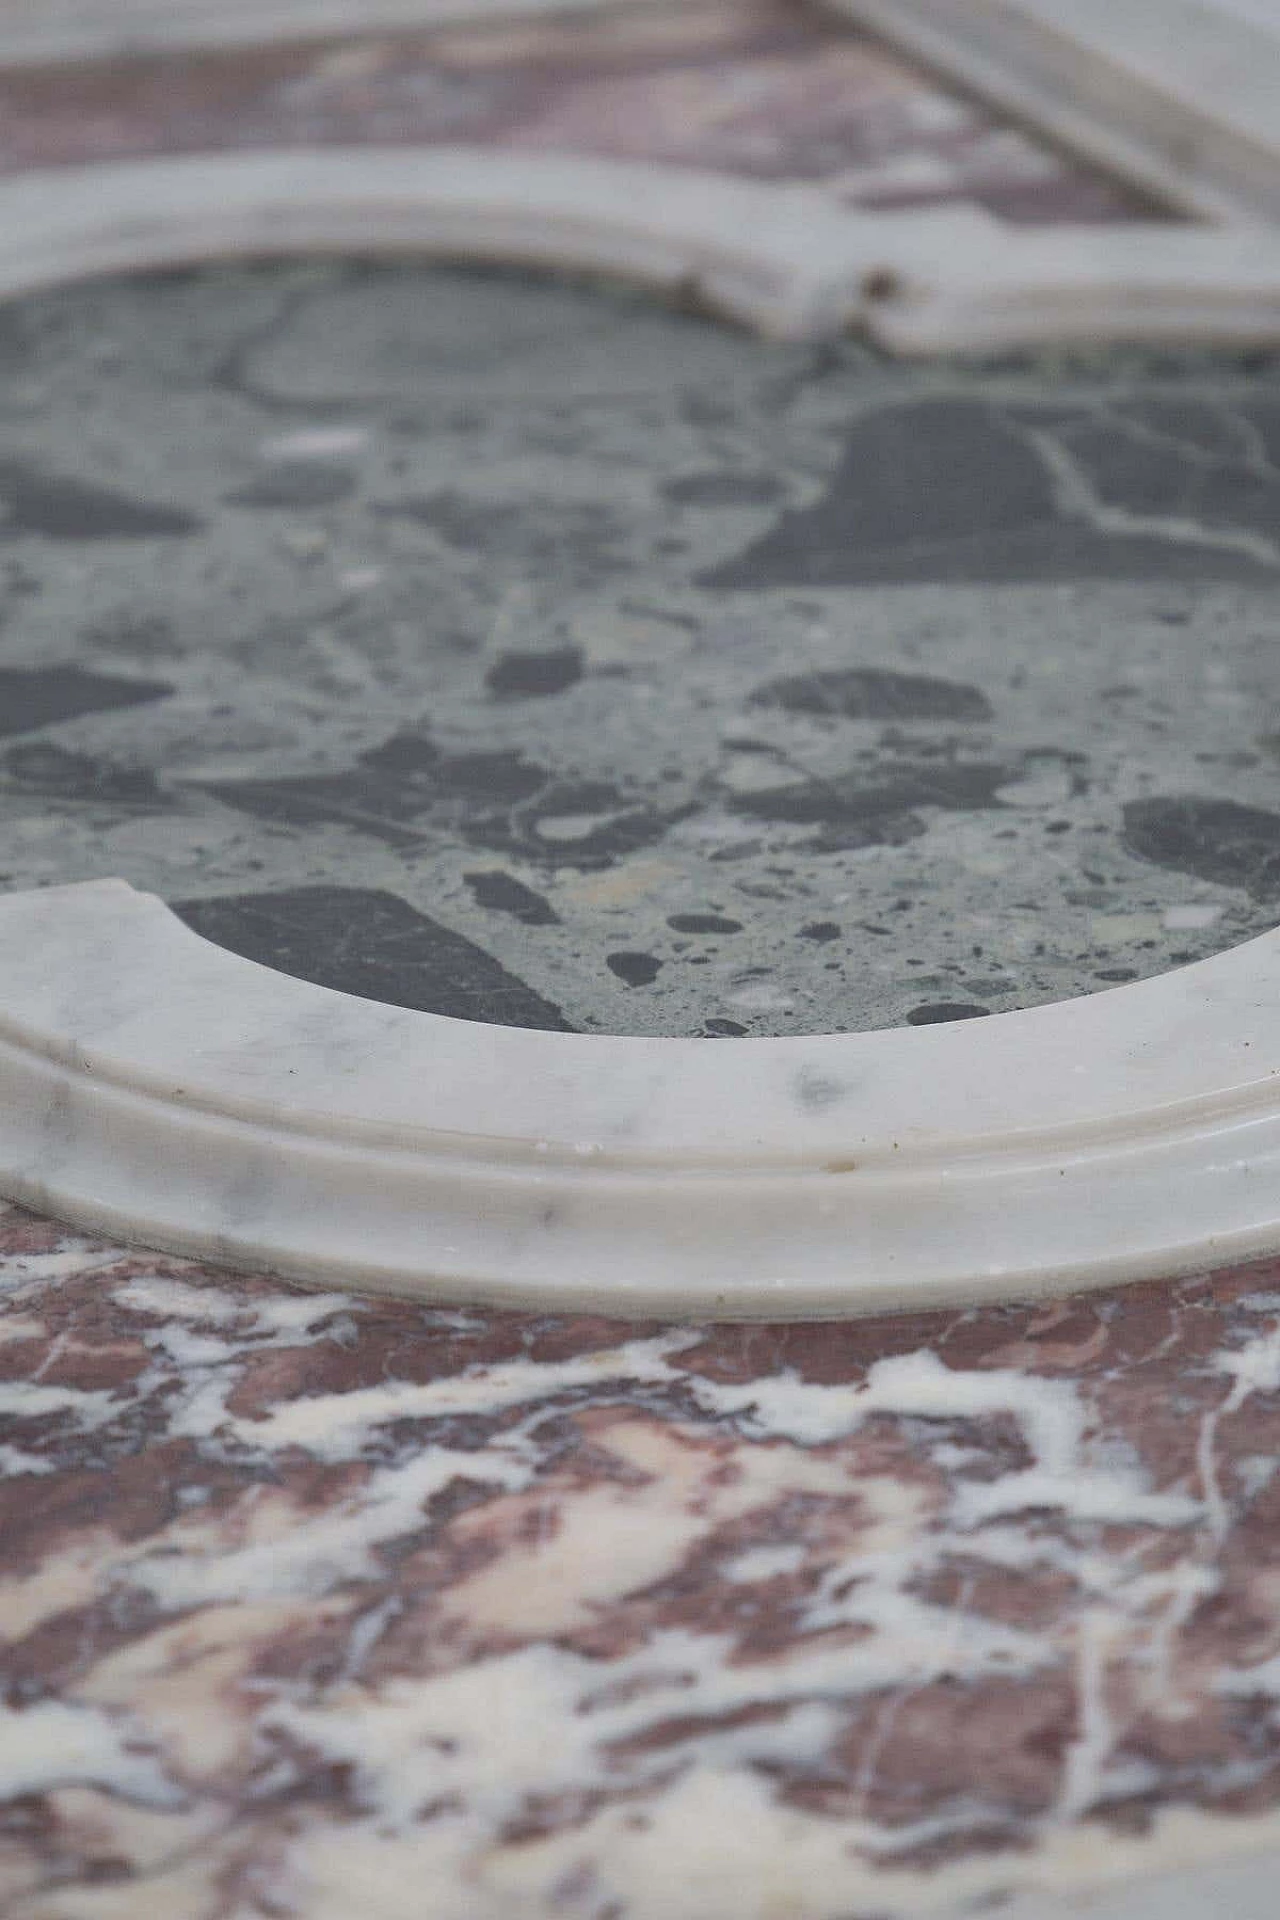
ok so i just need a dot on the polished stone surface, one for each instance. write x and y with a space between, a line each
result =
516 649
519 650
316 1606
359 612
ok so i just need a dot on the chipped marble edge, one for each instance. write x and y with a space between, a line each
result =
785 258
1177 100
157 1088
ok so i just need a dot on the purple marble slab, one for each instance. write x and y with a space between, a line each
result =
320 1606
755 87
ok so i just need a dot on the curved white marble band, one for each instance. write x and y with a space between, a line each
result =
786 258
775 257
154 1086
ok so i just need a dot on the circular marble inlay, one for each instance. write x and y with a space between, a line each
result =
519 649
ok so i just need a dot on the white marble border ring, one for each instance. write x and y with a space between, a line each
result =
159 1089
787 258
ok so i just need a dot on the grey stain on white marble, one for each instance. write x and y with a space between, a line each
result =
652 679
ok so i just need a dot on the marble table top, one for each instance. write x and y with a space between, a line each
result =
315 1606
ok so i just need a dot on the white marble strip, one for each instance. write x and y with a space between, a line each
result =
785 258
157 1088
37 31
1180 97
1010 288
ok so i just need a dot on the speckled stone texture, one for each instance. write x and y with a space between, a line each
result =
522 651
315 1606
519 650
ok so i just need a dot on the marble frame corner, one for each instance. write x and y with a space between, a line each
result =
1178 99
